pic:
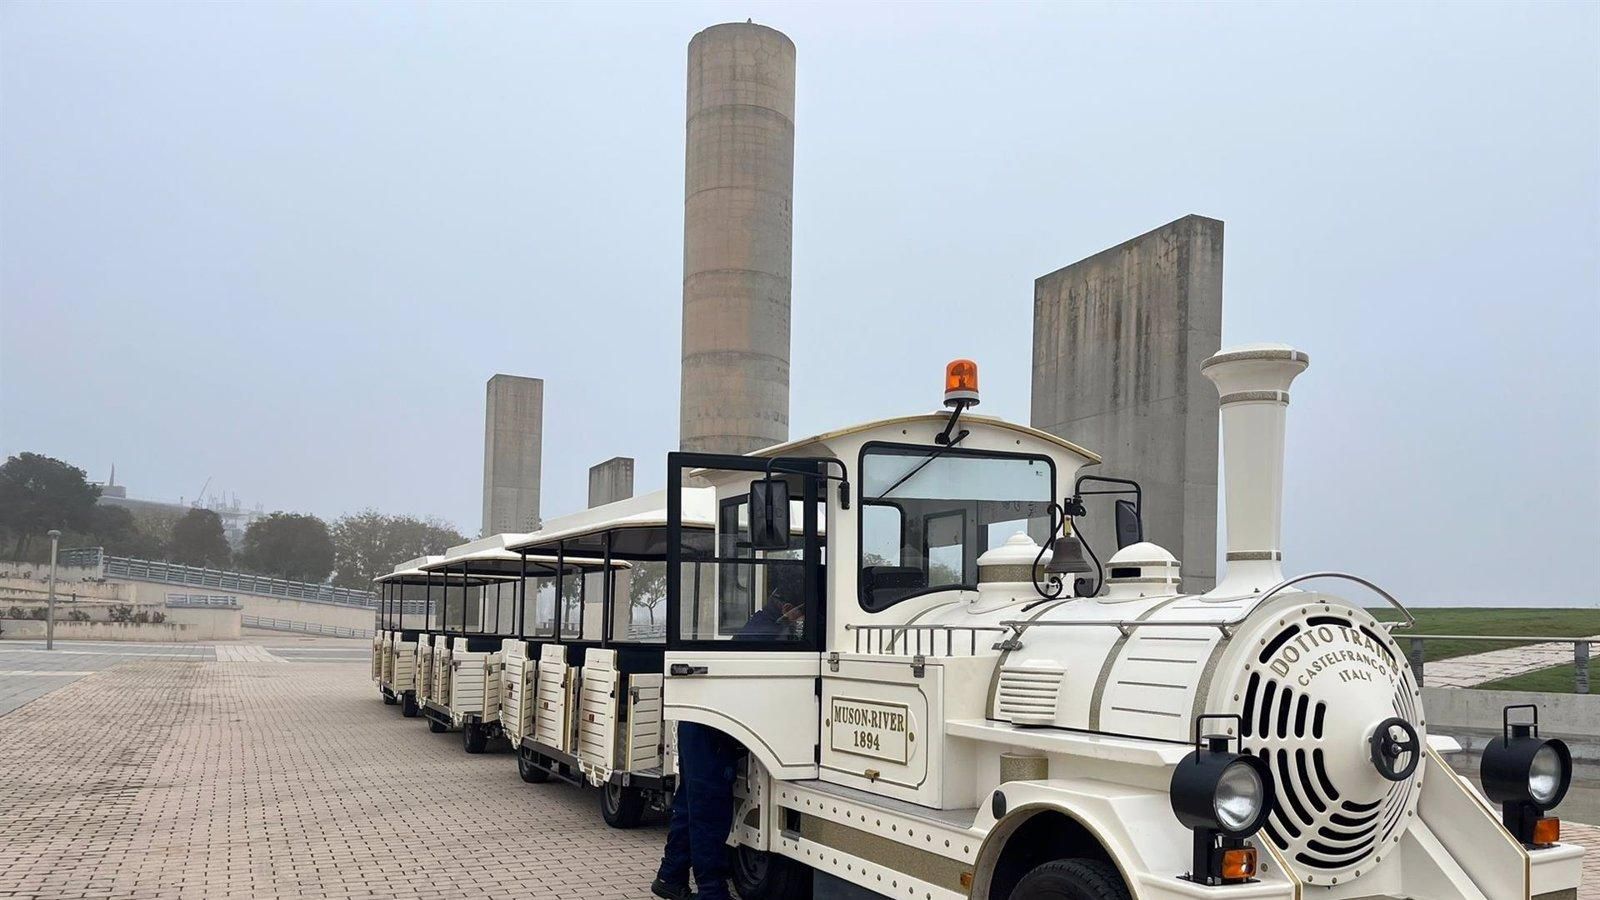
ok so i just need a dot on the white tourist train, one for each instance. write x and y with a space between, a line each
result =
980 731
935 704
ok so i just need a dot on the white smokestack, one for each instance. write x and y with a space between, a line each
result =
1253 381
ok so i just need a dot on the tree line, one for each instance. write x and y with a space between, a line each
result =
39 493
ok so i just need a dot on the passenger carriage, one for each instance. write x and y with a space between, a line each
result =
480 613
963 700
402 619
595 710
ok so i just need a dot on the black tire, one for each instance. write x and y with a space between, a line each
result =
621 807
1072 879
767 876
530 773
408 706
474 737
436 726
388 700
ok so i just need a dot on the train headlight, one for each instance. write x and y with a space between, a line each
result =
1240 797
1223 797
1527 775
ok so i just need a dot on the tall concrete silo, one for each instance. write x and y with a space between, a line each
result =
737 236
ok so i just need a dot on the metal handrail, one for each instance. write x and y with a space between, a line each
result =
273 624
175 573
1125 626
1580 652
899 631
1513 638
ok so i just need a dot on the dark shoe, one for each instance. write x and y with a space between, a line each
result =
718 892
671 891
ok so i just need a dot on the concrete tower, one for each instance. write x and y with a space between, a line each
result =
738 194
1118 340
513 438
611 481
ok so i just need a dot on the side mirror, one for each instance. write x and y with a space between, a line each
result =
1130 528
769 514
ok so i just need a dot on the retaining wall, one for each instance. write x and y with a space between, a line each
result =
182 625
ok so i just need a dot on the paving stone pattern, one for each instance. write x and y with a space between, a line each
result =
171 774
192 778
1589 837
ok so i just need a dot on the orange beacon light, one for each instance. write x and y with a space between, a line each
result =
961 383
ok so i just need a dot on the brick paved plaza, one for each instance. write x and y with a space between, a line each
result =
158 771
270 768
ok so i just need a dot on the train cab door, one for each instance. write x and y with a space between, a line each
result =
745 619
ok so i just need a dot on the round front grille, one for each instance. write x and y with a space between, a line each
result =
1318 682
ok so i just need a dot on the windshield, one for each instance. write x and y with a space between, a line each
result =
928 514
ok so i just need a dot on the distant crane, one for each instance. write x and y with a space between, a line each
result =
200 498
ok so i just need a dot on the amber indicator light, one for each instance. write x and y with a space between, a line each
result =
1547 830
961 375
1239 864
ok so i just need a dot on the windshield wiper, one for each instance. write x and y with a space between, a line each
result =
920 466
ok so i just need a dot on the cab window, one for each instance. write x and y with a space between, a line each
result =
928 513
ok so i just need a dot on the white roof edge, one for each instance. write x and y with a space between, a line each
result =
789 446
449 560
646 510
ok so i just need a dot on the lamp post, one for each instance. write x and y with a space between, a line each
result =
50 606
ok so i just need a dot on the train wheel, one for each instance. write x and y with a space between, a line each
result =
1072 879
388 700
768 876
530 773
436 726
621 807
408 706
474 737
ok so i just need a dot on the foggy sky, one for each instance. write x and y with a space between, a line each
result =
284 246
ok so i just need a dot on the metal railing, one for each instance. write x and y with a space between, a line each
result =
208 601
81 558
272 624
923 640
173 573
1580 652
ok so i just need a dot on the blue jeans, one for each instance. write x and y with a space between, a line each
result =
702 811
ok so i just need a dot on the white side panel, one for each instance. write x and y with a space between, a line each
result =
380 644
442 672
405 666
767 701
551 723
517 683
644 739
425 667
1463 841
597 716
882 728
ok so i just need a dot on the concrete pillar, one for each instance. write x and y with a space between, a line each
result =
738 193
1118 339
611 481
513 438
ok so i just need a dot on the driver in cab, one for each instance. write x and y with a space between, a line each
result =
781 619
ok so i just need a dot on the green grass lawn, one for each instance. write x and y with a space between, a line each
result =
1556 679
1458 620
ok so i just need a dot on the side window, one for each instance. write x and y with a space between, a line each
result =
539 607
722 593
945 536
757 595
571 604
594 592
644 588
